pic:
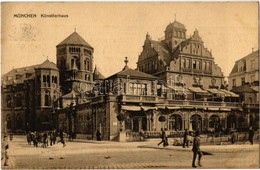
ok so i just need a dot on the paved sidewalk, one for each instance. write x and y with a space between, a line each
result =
152 144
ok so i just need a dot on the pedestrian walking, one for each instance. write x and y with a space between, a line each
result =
196 149
162 137
98 135
5 149
233 137
35 139
251 135
166 138
62 139
45 140
185 139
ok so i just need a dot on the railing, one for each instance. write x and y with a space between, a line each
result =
196 71
143 99
207 72
186 69
200 103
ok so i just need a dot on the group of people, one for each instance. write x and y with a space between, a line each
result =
196 142
45 138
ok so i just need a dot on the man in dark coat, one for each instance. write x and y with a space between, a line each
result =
185 139
196 149
251 135
163 136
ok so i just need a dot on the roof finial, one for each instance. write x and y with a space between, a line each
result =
126 61
174 16
74 29
47 57
252 50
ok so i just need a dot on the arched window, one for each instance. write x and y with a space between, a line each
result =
175 122
187 63
72 63
8 101
214 122
47 101
87 78
88 65
52 79
55 79
48 79
18 100
196 122
44 78
78 63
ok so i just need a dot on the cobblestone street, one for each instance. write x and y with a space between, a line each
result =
114 155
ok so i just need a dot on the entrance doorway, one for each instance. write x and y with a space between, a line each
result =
196 122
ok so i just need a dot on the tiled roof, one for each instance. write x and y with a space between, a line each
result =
133 74
235 67
97 74
47 64
175 24
19 75
74 39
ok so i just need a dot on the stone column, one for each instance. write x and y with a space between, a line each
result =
183 124
139 124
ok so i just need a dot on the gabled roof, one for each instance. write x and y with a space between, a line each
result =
251 55
74 39
47 65
131 73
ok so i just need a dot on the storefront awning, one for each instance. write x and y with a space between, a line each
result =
216 91
198 90
173 107
131 108
229 93
145 108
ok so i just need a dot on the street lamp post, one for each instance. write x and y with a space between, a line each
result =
71 114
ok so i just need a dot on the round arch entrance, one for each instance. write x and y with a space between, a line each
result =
214 122
175 122
196 122
232 122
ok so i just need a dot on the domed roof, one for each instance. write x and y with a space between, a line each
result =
175 25
47 65
74 39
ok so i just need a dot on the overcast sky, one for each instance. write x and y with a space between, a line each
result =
117 30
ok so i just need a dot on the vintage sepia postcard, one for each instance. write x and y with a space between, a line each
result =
129 85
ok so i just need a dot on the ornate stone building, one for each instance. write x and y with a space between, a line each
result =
176 86
244 80
28 94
